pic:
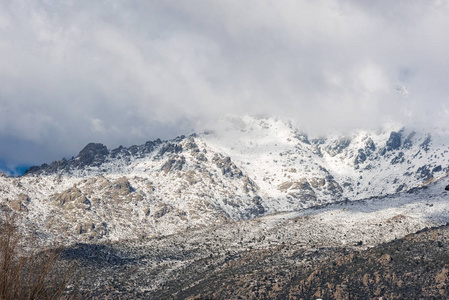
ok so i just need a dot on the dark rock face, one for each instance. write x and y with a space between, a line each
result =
191 145
447 188
425 145
333 187
424 173
119 151
137 151
96 154
360 158
149 146
93 154
408 143
401 188
437 169
259 209
365 152
398 159
227 166
302 137
369 145
249 185
46 168
170 148
394 141
173 164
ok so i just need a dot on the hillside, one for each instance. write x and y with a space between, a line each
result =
341 251
244 168
252 208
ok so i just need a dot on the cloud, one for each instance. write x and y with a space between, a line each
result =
125 72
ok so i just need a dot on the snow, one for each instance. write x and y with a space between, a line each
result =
271 152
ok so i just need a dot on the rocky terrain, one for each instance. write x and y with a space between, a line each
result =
358 250
253 203
245 168
415 267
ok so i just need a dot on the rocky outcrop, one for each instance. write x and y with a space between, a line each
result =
134 151
169 148
94 155
20 204
408 141
72 198
226 166
122 186
425 173
394 141
298 190
174 163
306 189
365 152
117 191
398 159
425 145
337 146
249 185
258 209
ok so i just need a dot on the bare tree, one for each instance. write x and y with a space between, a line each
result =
30 273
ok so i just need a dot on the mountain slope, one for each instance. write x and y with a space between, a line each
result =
244 168
286 163
274 255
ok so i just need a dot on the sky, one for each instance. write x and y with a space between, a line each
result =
125 72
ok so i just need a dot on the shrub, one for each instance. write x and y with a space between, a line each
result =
27 273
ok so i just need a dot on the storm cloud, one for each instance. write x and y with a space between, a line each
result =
123 72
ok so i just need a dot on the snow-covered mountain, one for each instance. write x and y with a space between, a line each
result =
243 168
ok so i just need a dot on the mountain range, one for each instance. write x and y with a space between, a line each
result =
261 182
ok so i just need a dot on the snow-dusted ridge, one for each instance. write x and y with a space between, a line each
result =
242 169
363 164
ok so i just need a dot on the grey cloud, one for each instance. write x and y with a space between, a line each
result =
123 72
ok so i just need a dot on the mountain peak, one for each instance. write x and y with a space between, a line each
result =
94 154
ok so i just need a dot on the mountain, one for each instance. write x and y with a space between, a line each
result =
347 250
243 168
252 208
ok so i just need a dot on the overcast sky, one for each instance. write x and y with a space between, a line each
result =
124 72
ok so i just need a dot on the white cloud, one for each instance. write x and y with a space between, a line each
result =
97 125
72 72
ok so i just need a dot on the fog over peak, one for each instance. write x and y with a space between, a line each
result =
72 72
